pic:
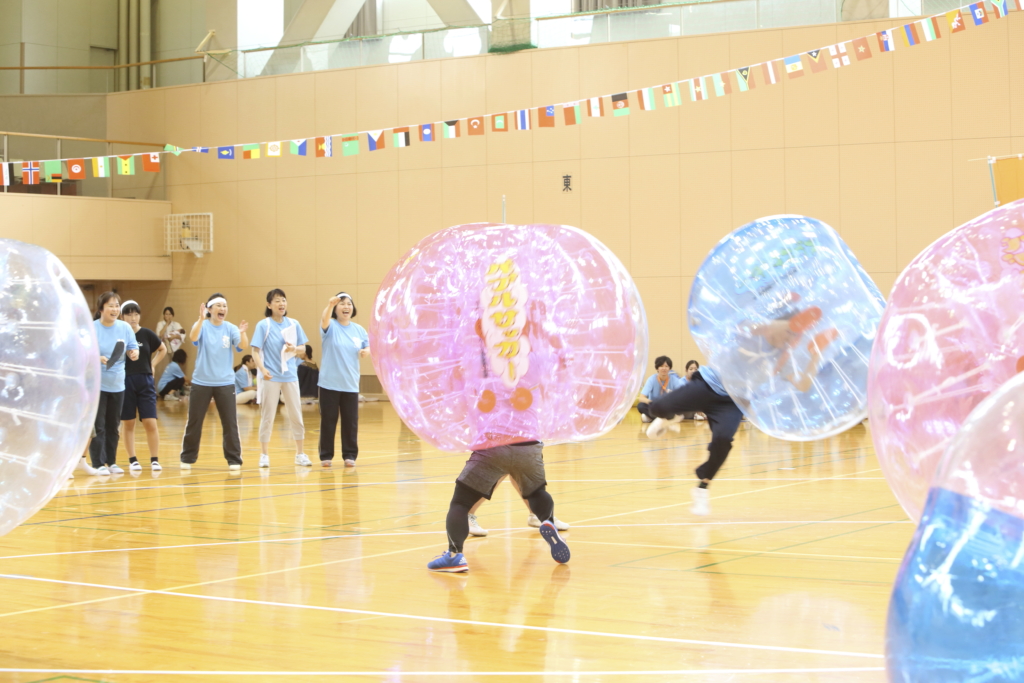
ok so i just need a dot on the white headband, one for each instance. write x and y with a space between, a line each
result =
217 300
344 295
130 301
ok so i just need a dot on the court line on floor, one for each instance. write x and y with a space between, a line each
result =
739 551
172 592
299 539
837 477
391 673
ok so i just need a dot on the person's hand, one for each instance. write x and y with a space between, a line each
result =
242 327
289 348
364 353
202 311
103 361
334 301
266 374
133 354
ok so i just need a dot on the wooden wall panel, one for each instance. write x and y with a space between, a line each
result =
924 196
867 204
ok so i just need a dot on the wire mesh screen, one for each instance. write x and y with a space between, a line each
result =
188 232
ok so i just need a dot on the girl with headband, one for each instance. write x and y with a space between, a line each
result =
114 337
274 345
344 343
139 391
214 378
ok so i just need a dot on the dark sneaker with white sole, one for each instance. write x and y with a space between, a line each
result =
559 550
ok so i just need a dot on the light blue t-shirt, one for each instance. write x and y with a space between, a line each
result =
215 359
269 339
339 367
172 371
243 380
112 380
711 377
652 389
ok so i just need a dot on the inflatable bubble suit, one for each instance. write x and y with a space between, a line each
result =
786 316
489 334
957 608
953 332
49 379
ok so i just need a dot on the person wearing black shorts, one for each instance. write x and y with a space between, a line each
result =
139 391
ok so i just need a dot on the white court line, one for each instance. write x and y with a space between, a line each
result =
388 674
465 622
421 533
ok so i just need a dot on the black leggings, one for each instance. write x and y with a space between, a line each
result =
103 447
457 523
723 417
173 385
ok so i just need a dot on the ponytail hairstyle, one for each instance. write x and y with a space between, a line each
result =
245 359
270 299
104 298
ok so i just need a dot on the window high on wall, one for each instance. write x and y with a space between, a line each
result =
260 24
547 8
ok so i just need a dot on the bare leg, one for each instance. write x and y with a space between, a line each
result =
128 437
152 437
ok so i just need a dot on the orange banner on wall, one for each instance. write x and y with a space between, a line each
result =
1009 180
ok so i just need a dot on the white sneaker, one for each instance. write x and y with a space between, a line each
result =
264 460
701 502
234 467
660 427
114 469
135 466
171 397
300 459
86 467
155 465
350 463
186 466
645 418
700 416
103 471
559 524
474 528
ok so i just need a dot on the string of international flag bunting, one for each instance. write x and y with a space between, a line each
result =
698 89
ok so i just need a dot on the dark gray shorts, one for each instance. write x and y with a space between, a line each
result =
523 462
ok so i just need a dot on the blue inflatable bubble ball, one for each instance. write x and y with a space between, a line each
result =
786 316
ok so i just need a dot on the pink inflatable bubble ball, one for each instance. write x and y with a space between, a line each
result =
487 334
952 333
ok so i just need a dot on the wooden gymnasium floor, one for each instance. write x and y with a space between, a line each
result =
292 572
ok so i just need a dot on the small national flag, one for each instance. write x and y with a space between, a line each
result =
499 123
225 152
297 147
176 151
523 119
54 171
546 116
956 21
251 151
426 132
930 29
475 125
840 57
350 145
572 114
126 165
273 149
670 96
1016 5
450 129
861 49
620 104
817 61
722 85
698 88
400 138
30 173
325 146
794 67
1000 8
979 14
910 36
595 106
76 169
375 140
101 167
151 162
743 79
645 96
201 150
5 174
771 73
886 40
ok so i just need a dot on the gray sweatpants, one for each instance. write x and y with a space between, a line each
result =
198 404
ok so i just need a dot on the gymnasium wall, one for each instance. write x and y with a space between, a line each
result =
879 150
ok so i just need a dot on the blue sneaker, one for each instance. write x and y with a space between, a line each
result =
559 550
447 562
